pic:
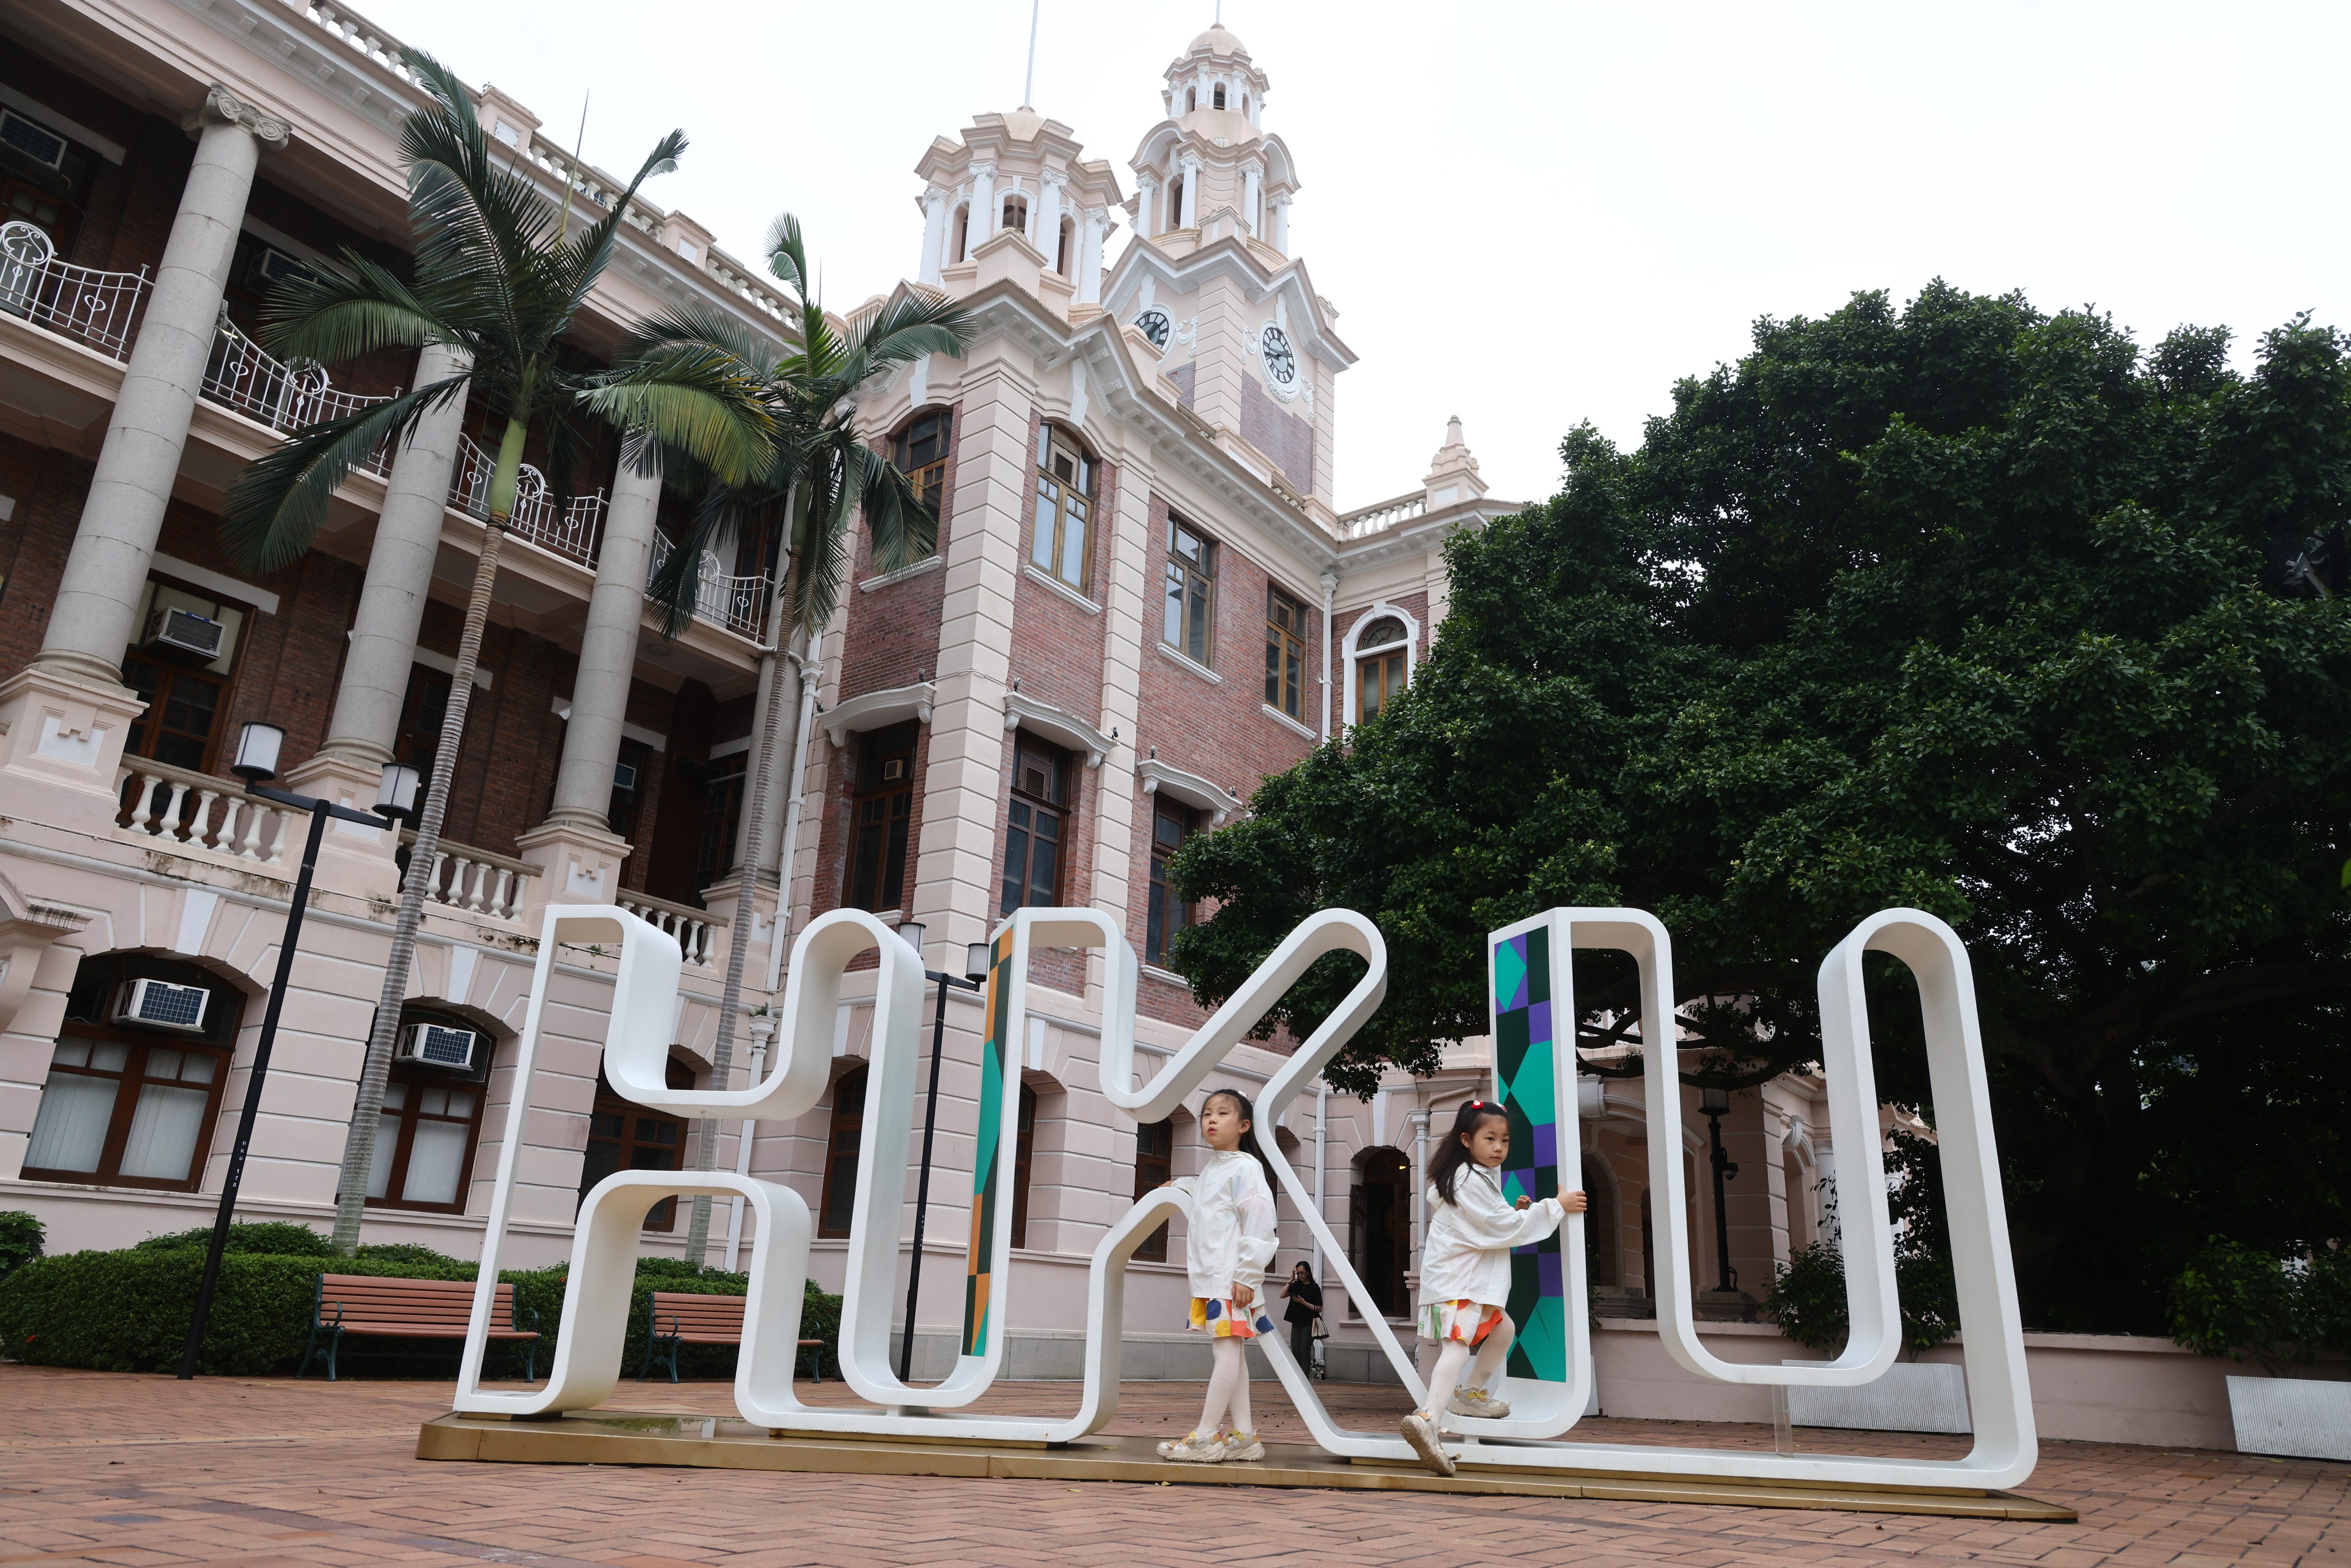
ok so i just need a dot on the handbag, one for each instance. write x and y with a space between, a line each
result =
1322 1330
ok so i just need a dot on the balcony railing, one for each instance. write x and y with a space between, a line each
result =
243 376
77 302
1370 520
570 532
475 881
199 811
696 929
740 604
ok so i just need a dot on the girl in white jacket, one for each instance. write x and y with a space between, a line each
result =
1464 1271
1231 1241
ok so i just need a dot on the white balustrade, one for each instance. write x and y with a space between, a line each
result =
1368 520
243 376
696 932
737 604
573 531
77 302
361 37
199 812
475 881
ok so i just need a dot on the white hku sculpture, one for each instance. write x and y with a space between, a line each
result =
1539 1078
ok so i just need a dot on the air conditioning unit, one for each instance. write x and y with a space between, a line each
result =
35 142
439 1045
159 1004
185 633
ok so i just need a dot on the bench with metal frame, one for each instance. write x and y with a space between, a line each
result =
377 1308
696 1319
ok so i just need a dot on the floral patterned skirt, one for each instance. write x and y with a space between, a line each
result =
1463 1322
1222 1319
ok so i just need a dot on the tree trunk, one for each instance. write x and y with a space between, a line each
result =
747 882
359 1147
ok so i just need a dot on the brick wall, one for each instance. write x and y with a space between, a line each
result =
1284 437
49 487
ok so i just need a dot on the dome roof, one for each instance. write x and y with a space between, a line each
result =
1217 40
1023 124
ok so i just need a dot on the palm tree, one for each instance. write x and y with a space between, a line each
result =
821 470
499 278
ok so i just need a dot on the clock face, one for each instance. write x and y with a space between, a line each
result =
1281 362
1154 323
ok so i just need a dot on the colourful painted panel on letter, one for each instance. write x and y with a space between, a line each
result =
1526 1082
980 1282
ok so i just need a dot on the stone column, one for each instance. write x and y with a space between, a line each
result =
64 717
579 854
1045 228
608 653
90 622
1190 217
1147 191
982 225
1090 255
1281 225
934 233
1250 177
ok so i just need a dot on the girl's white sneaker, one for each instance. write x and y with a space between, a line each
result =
1243 1446
1427 1442
1477 1402
1195 1450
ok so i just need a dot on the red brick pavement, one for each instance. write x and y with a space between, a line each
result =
98 1467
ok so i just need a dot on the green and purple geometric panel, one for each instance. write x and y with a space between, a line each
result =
1526 1082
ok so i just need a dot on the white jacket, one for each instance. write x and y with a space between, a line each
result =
1467 1255
1232 1235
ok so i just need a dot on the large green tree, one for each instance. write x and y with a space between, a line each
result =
1959 606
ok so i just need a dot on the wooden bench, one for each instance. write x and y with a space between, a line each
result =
683 1317
365 1305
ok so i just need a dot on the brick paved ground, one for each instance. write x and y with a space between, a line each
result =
97 1467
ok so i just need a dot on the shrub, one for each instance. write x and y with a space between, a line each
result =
277 1238
409 1252
21 1236
2244 1303
1806 1299
129 1312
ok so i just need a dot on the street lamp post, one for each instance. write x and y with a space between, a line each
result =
256 759
1715 1104
974 975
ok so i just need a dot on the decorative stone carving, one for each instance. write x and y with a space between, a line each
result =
222 107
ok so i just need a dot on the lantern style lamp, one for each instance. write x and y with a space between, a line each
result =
911 933
974 962
396 796
258 745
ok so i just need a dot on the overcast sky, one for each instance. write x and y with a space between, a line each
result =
1532 215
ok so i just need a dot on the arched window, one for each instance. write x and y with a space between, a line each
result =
920 452
1383 663
623 1135
1068 242
1220 95
1191 98
1016 213
1155 1167
881 808
1024 1150
431 1117
1176 203
1379 1227
845 1133
134 1084
1063 542
1036 825
963 232
1244 104
1164 915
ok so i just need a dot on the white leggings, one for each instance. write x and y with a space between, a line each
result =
1455 1356
1227 1389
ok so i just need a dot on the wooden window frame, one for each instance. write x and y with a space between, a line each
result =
416 1076
891 803
1285 654
608 1101
1026 811
841 1163
1188 620
1066 477
100 979
1160 896
929 475
1155 1167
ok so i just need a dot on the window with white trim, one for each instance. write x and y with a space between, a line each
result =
1382 665
1062 543
1190 590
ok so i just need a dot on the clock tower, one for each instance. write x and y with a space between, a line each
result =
1211 282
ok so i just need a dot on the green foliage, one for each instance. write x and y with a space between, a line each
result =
1807 1298
2245 1303
128 1311
21 1236
277 1238
1959 606
410 1252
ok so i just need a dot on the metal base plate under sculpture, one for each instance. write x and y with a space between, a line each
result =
707 1442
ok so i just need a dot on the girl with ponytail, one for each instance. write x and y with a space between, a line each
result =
1231 1241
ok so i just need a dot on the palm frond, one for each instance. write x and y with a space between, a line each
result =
329 313
582 260
907 328
702 324
786 253
903 529
825 548
673 588
473 219
276 506
695 397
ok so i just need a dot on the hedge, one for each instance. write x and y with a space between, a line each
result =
129 1312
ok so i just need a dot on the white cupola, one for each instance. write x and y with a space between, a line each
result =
1208 172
